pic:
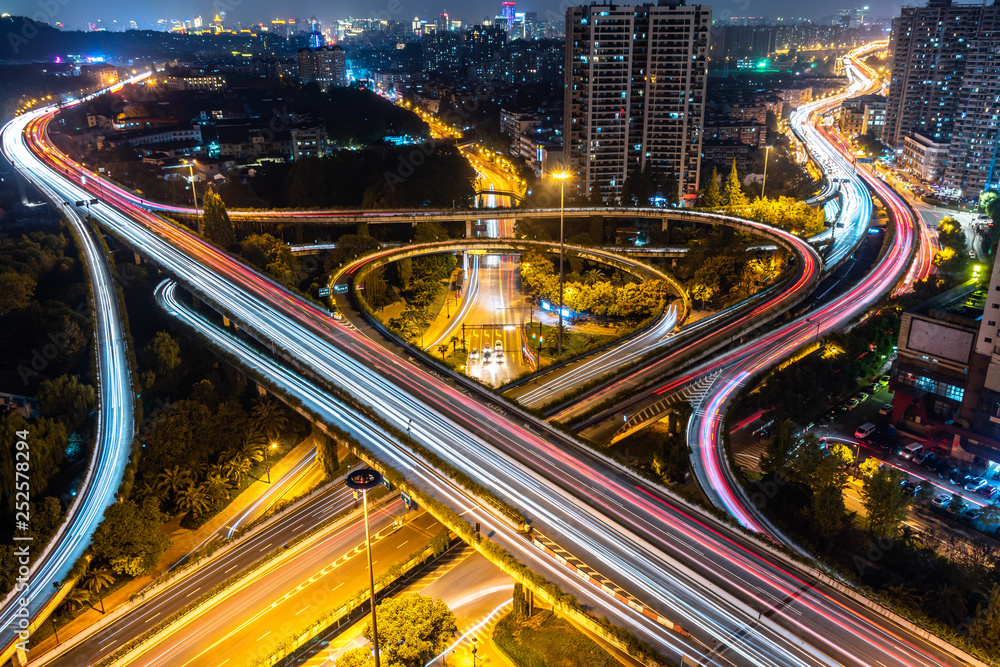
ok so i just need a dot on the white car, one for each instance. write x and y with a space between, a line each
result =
941 501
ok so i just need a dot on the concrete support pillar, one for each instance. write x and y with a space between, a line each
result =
225 321
468 229
138 258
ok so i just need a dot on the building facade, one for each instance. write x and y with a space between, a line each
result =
924 158
635 93
326 66
944 87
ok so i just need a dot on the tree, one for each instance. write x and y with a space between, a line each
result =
828 511
236 468
193 499
711 197
777 456
172 481
413 629
326 452
165 353
216 224
454 340
16 291
96 580
68 399
129 537
77 599
216 487
985 627
885 501
356 657
736 199
443 350
269 417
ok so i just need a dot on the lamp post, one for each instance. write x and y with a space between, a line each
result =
194 196
363 480
267 459
763 181
562 176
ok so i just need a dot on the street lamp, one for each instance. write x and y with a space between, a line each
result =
194 196
267 459
561 176
363 480
763 182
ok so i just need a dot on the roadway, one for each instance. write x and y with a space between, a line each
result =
665 553
286 596
159 605
114 425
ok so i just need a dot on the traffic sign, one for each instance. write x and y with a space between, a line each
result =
324 291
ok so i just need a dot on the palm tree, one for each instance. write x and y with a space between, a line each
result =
906 595
217 487
173 480
593 277
947 604
97 580
251 447
77 599
442 349
270 417
147 490
236 468
454 340
193 499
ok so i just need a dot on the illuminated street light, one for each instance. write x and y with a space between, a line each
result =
561 176
194 196
763 182
362 480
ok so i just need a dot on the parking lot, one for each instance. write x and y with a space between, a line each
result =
949 495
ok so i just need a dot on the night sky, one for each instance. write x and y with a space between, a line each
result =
74 14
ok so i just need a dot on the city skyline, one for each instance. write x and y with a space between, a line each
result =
121 14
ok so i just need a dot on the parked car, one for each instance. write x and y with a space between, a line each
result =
942 500
909 488
911 450
989 491
864 431
873 388
884 380
971 514
853 403
957 477
823 421
862 396
947 471
925 458
885 409
975 484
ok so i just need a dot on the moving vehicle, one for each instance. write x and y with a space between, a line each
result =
910 451
498 346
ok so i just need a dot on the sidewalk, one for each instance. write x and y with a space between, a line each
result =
183 541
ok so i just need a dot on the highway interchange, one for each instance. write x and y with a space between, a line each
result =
741 602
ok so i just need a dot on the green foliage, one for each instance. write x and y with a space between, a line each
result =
67 399
711 198
356 657
129 538
885 502
985 627
546 639
47 442
326 453
349 248
16 291
165 353
735 198
216 224
413 629
787 213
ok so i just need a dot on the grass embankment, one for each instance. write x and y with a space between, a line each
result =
546 640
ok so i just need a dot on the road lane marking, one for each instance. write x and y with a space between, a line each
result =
301 610
264 635
402 543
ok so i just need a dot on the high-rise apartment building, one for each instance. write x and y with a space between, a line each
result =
326 65
930 49
635 92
